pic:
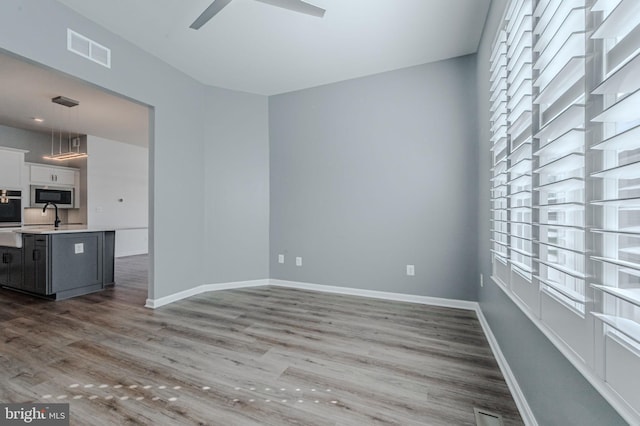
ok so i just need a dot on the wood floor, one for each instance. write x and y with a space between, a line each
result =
260 356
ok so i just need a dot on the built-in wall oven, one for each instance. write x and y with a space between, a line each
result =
61 196
10 208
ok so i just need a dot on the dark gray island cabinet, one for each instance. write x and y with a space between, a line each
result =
10 266
59 264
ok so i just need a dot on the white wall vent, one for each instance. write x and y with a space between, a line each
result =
87 48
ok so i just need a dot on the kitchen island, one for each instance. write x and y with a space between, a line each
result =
58 263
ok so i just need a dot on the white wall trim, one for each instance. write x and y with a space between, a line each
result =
398 297
156 303
519 398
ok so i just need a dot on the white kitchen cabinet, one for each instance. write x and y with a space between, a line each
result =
41 174
11 162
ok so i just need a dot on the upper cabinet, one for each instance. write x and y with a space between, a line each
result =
41 174
11 163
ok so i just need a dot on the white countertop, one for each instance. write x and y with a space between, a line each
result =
62 229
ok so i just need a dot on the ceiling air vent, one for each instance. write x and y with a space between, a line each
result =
87 48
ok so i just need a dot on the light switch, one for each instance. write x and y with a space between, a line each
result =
79 248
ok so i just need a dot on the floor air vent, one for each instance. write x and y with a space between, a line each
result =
487 418
87 48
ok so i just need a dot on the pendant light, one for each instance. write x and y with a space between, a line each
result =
69 154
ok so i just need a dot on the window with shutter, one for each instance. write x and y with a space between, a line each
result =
565 197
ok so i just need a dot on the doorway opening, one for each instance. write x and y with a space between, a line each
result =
114 182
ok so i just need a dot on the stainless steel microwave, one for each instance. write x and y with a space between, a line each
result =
61 196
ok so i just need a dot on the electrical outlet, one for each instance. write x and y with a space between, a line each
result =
78 248
281 258
298 261
481 280
411 270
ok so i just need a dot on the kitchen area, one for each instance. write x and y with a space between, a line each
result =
50 260
73 182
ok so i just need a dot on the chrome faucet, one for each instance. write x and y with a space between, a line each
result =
57 221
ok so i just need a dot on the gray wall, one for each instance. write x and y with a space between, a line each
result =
372 174
557 393
180 241
237 187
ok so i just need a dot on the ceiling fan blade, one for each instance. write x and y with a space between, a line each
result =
215 7
297 6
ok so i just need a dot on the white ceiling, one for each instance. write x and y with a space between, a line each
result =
248 46
258 48
26 91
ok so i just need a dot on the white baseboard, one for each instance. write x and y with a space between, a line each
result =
398 297
521 402
131 253
156 303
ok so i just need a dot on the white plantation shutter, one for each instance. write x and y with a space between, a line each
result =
560 146
615 200
565 181
511 137
499 145
519 95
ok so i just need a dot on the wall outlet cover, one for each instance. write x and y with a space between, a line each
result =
79 248
281 258
411 270
298 261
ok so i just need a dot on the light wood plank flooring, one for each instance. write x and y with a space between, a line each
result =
260 356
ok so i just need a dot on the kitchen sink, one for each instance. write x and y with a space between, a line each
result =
10 239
